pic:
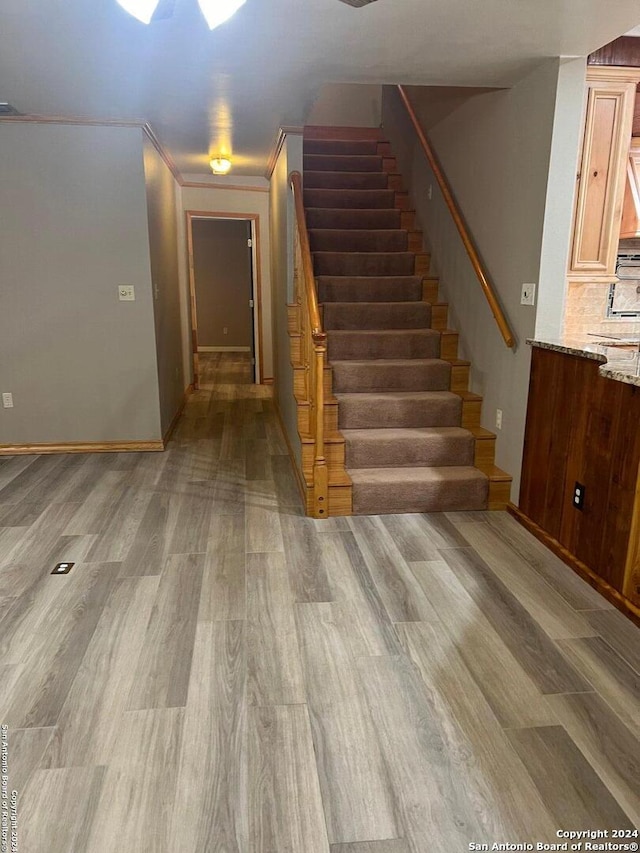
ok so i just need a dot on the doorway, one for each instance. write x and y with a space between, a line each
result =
224 287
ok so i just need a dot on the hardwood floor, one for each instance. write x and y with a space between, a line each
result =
220 674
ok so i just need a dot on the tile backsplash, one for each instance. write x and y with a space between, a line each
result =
586 310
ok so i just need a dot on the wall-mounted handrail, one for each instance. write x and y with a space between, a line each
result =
479 269
313 351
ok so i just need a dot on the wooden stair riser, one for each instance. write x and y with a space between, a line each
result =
340 500
407 219
390 165
471 413
485 453
448 345
384 149
415 241
439 316
395 182
459 377
401 201
499 494
430 288
423 259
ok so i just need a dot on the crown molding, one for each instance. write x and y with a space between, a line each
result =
144 126
149 132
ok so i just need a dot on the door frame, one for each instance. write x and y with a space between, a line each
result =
256 285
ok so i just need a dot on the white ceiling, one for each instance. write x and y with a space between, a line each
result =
203 91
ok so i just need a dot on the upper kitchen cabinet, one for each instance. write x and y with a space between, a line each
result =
602 173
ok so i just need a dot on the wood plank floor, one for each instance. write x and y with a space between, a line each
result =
220 674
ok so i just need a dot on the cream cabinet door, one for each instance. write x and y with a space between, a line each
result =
602 179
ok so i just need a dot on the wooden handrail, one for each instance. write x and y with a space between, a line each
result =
315 352
472 252
295 179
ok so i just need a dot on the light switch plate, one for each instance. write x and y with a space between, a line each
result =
528 294
7 400
126 293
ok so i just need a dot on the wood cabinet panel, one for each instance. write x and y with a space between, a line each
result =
602 176
582 427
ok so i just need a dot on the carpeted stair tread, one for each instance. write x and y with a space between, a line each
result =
364 263
357 218
342 163
366 344
405 448
393 374
418 447
351 199
358 240
400 490
340 146
376 315
398 409
346 180
406 288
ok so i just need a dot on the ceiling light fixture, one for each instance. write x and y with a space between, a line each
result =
216 12
141 9
220 165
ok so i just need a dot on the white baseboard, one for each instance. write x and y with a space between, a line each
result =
224 349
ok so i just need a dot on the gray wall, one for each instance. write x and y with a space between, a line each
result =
163 243
282 222
495 149
81 364
347 104
222 273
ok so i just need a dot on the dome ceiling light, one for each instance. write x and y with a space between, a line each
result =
220 165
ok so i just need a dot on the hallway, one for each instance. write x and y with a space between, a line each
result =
220 674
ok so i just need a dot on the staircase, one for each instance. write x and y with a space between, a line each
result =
408 429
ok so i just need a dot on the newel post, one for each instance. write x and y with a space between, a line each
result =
320 470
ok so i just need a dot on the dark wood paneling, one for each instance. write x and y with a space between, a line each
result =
546 439
623 51
585 428
636 116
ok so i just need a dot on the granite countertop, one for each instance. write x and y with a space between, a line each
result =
623 365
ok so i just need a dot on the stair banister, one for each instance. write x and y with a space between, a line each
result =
315 350
479 269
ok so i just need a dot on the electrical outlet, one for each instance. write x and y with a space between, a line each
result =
528 294
498 418
430 192
578 495
7 400
126 293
